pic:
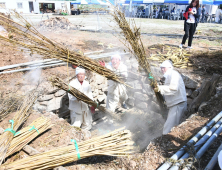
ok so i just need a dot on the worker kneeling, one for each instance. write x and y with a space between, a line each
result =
175 95
79 111
116 91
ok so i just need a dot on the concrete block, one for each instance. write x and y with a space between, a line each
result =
54 104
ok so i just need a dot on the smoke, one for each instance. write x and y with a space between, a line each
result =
144 118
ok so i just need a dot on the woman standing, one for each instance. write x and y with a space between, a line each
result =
191 23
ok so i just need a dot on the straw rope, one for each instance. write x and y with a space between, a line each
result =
116 143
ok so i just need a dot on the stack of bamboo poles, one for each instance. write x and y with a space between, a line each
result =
135 46
27 134
116 143
23 34
80 96
21 115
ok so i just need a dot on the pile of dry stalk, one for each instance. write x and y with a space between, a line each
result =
116 143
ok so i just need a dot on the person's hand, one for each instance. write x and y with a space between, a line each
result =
156 89
74 66
190 12
92 109
102 63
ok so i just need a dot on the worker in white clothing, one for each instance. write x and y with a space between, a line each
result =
175 95
79 111
116 91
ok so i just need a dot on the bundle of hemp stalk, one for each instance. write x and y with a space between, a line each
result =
27 134
81 96
24 35
8 105
20 116
116 143
135 46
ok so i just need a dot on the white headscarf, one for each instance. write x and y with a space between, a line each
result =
80 70
116 56
167 63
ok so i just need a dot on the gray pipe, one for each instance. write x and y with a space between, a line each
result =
179 153
199 143
207 144
213 160
31 68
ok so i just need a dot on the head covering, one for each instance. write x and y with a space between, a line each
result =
167 63
79 70
116 56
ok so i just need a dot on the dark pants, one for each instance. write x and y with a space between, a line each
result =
189 29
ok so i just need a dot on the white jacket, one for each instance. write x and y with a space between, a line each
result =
76 105
173 88
122 70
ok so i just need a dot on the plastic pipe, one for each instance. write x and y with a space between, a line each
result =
199 143
213 160
31 68
179 153
207 144
25 64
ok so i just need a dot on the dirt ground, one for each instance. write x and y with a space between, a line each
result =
85 41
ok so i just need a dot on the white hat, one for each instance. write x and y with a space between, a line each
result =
167 63
79 70
116 56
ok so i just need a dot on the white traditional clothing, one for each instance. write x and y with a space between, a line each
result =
79 111
175 95
116 91
218 15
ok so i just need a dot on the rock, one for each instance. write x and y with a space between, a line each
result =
188 92
99 79
155 107
130 101
101 98
105 89
132 76
45 103
148 89
39 107
194 94
189 83
45 98
60 93
140 96
59 168
202 105
132 164
54 104
189 101
101 92
137 85
100 86
141 105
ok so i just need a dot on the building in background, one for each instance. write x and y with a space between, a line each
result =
35 6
